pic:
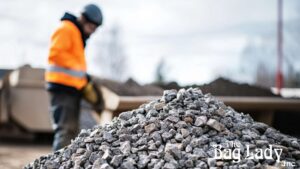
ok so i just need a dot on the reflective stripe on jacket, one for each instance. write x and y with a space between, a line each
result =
67 65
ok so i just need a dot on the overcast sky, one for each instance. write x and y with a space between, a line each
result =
198 39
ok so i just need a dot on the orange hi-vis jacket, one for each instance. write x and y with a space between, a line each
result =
67 65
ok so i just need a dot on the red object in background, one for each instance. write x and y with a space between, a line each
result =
279 81
279 74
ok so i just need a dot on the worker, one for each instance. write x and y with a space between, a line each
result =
66 76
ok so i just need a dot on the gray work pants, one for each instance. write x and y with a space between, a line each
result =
65 109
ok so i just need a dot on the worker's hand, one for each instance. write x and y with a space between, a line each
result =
89 93
93 96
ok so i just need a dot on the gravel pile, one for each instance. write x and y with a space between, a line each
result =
183 129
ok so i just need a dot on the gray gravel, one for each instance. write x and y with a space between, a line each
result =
183 129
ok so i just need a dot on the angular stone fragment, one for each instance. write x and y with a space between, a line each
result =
199 152
52 164
178 137
211 162
107 155
93 157
156 136
89 140
125 148
97 164
159 106
261 143
173 119
80 151
215 125
220 112
129 163
150 128
152 113
184 132
188 120
295 144
261 127
189 163
152 146
174 149
159 164
188 149
116 160
200 121
181 124
125 115
169 166
107 136
169 95
143 161
105 166
166 136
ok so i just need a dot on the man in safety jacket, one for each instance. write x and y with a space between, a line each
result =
66 76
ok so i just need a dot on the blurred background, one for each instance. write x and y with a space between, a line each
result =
225 47
188 42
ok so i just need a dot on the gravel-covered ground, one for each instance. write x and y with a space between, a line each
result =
184 129
16 154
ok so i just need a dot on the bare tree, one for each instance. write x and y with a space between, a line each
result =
160 71
111 57
264 77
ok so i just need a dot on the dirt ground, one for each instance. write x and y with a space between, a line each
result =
14 155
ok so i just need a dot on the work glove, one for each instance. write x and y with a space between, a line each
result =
93 95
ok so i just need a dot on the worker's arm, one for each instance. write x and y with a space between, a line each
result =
61 43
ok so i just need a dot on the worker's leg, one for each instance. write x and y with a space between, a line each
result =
64 110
